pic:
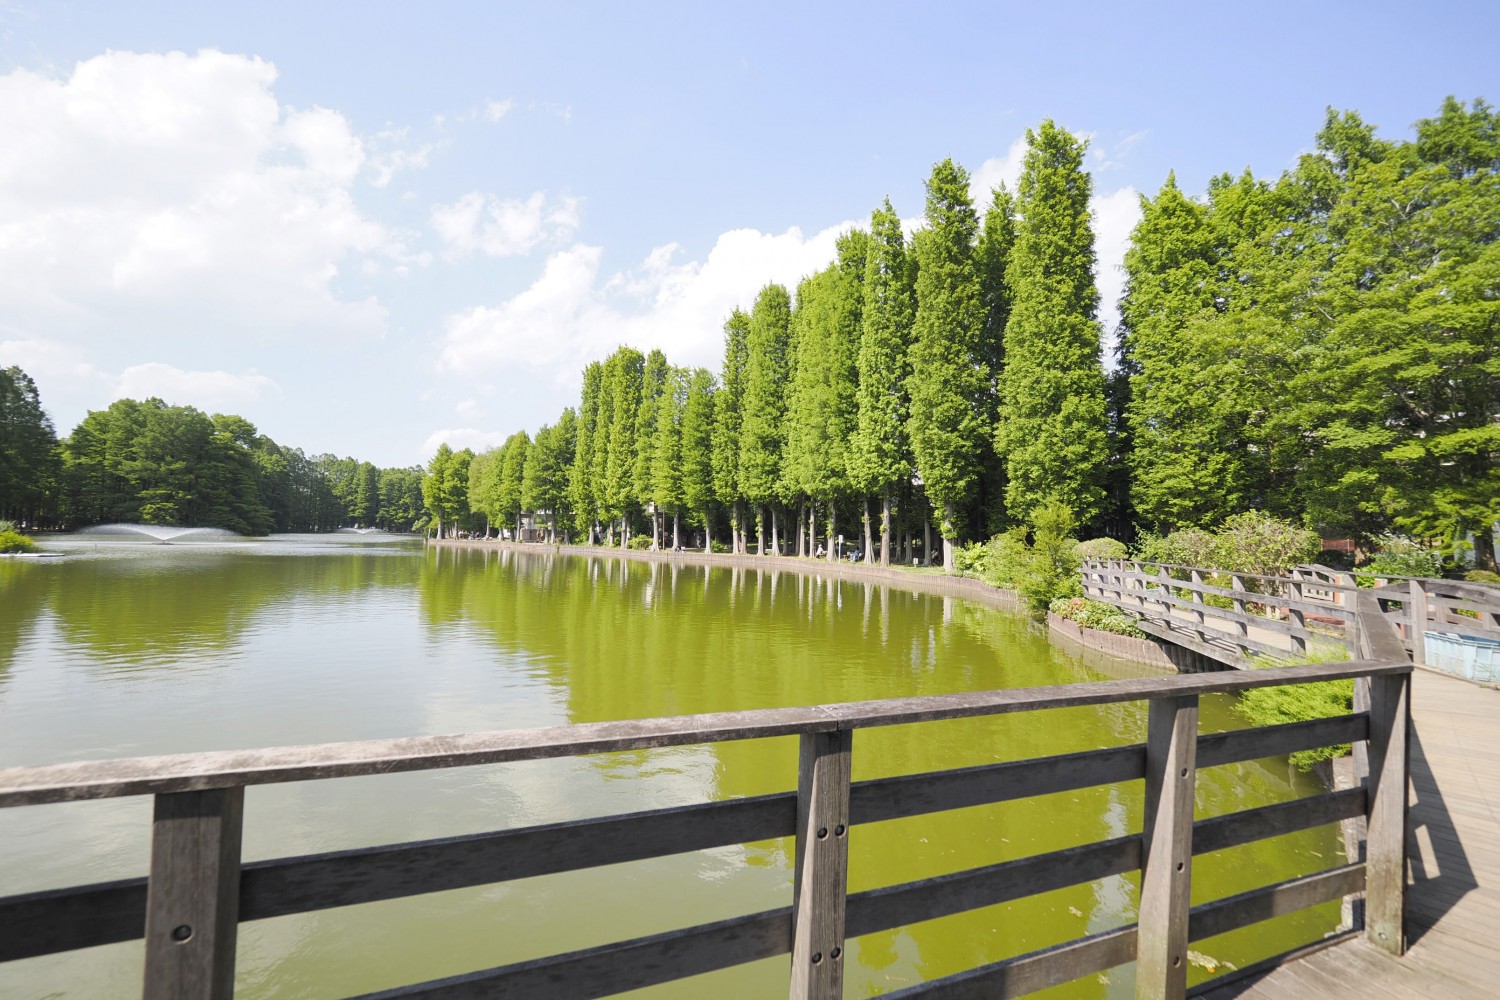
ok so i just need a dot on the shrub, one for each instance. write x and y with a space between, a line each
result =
721 548
1007 556
14 541
1101 548
1399 555
1252 542
640 541
1094 615
973 560
1482 576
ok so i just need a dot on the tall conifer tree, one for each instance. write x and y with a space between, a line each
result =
1052 416
948 375
729 418
763 432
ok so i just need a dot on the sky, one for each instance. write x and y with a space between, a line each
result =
372 227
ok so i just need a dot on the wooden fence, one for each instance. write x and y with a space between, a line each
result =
1235 616
189 907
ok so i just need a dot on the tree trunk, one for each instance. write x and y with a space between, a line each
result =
885 530
708 535
926 541
869 556
676 531
775 532
1484 548
801 526
760 531
812 529
950 550
833 526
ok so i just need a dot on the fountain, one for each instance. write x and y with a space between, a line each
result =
357 531
161 533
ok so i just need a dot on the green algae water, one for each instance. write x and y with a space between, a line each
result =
126 649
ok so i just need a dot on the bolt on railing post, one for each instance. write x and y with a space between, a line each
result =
1167 849
1385 821
193 895
1416 623
821 877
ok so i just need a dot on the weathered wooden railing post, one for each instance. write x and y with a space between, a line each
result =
1296 616
1167 849
820 880
1416 622
1197 578
1241 626
1386 785
193 895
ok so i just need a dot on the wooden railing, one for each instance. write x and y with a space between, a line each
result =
1185 604
189 907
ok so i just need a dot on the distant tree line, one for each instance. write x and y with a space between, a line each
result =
1322 348
147 462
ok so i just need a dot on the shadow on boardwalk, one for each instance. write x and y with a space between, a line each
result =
1453 833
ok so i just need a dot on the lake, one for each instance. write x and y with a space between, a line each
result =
129 648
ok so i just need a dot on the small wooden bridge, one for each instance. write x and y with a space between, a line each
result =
188 908
1453 834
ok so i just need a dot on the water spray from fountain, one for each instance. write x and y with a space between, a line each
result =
163 534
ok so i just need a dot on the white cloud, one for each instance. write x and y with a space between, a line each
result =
1115 217
160 189
467 407
459 438
44 358
503 227
391 152
496 110
996 169
572 314
214 392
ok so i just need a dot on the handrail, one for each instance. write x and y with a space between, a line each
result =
197 893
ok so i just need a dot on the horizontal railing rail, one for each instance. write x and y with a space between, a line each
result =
197 892
1177 603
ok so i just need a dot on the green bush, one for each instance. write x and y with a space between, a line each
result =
640 541
1101 548
1398 555
973 560
1094 615
1252 542
14 541
1482 576
721 548
1298 703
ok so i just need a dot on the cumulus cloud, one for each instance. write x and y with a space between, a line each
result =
496 110
1115 218
459 438
169 187
499 227
994 171
574 312
42 357
210 391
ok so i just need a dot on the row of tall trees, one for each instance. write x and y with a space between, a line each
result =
1322 347
148 462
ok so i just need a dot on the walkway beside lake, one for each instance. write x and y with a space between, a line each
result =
1453 903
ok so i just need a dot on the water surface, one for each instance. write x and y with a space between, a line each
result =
124 648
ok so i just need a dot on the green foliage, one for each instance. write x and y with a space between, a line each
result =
640 542
1042 571
698 414
14 541
767 372
1299 703
1482 576
879 457
1251 542
1399 555
29 465
1095 615
729 409
546 470
1051 432
1101 548
947 376
974 560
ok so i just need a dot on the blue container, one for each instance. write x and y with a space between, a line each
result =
1469 656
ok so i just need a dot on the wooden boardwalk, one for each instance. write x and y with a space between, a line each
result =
1453 915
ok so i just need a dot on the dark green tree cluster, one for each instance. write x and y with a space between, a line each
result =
1326 346
148 462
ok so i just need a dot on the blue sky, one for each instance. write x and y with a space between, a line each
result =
367 227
